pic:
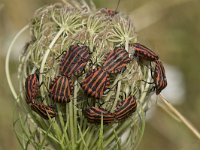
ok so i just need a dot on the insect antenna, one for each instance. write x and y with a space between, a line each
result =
117 5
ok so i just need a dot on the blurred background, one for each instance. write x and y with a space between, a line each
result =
170 27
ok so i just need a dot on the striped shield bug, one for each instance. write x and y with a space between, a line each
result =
125 108
74 60
96 82
32 87
43 110
61 89
109 12
93 115
143 53
116 60
160 79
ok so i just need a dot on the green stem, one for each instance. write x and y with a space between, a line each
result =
48 51
7 62
75 107
117 96
71 122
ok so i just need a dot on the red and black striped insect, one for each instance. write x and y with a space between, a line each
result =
143 53
61 89
159 77
74 60
32 91
116 60
32 87
125 108
43 110
96 82
93 115
109 12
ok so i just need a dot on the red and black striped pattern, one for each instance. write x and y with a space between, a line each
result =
93 115
43 110
61 89
159 77
125 108
32 91
74 60
144 53
96 82
116 60
31 88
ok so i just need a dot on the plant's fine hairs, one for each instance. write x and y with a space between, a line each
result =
54 29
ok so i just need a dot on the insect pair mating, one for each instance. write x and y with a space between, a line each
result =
145 54
97 80
32 91
123 110
73 62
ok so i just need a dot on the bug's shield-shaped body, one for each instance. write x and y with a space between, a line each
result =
61 89
93 115
116 60
143 53
125 108
96 82
43 110
74 60
159 77
31 88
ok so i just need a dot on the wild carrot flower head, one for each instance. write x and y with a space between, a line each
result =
55 29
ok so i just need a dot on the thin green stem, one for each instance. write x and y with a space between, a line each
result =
7 62
71 122
117 96
75 107
48 51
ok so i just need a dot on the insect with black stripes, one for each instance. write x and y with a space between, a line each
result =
94 114
159 77
109 12
116 60
96 82
125 108
32 87
74 60
43 110
143 53
60 89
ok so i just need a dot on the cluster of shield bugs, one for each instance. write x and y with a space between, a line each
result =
115 62
96 82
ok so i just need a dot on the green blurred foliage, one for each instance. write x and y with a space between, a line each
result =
175 36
